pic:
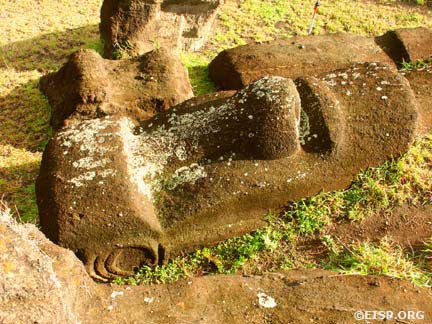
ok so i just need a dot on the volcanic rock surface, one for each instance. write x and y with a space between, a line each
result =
304 55
40 282
135 27
421 84
407 44
122 194
291 58
88 86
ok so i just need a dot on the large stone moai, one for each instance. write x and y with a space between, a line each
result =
132 27
138 171
122 193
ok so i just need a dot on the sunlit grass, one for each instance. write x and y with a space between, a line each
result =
385 258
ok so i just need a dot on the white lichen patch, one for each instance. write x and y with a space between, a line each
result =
79 180
144 158
107 173
115 294
88 162
148 300
266 301
88 137
186 174
149 152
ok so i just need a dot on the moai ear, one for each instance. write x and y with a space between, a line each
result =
124 261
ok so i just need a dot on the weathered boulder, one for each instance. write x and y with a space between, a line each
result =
135 27
291 58
407 44
121 194
88 86
39 281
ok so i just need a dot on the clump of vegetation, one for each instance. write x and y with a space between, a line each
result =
420 64
384 258
197 66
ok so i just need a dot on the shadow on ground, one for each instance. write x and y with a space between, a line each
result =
25 112
18 190
48 52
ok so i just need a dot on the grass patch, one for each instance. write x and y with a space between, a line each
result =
18 169
420 64
34 40
384 258
254 20
197 66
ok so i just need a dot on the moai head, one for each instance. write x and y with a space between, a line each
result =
122 194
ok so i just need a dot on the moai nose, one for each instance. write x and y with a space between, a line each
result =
260 122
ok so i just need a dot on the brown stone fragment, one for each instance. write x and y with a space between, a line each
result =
134 27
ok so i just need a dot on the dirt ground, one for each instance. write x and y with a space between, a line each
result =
409 226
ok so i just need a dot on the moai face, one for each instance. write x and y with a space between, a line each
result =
122 194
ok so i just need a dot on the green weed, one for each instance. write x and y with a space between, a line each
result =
197 66
420 64
385 258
